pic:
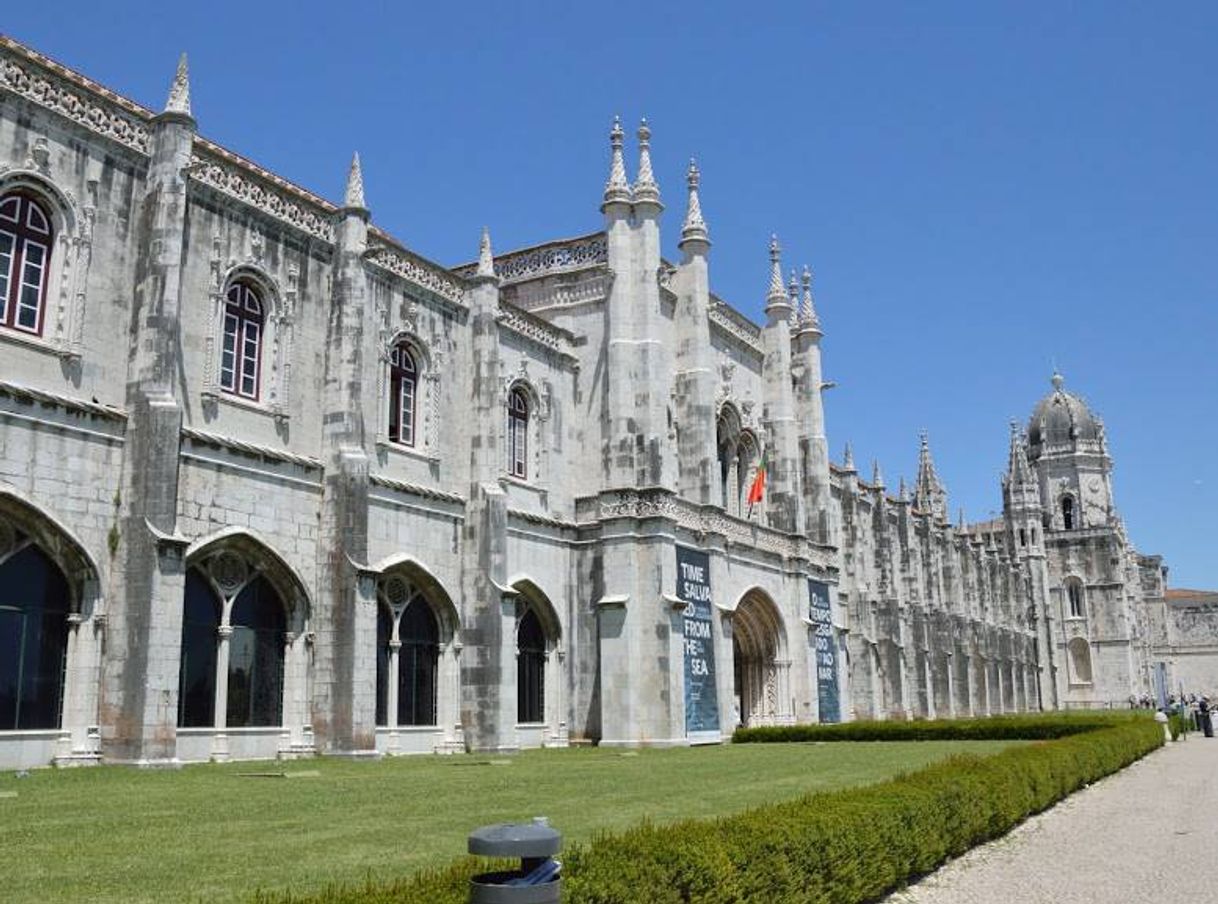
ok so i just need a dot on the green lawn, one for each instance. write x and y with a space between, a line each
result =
208 833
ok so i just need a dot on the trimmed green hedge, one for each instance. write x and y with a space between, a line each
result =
839 847
1044 727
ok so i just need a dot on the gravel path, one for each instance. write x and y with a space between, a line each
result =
1147 834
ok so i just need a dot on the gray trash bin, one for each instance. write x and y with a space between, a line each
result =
535 844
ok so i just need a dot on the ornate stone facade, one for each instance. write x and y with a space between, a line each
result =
296 489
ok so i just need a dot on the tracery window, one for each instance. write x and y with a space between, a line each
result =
530 669
241 353
408 656
403 395
25 257
34 606
518 433
253 639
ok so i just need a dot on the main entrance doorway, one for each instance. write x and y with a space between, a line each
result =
759 663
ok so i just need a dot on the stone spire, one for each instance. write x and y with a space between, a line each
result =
877 479
1018 470
793 294
694 227
961 524
807 310
617 189
179 91
902 491
486 260
353 198
777 294
929 494
646 191
848 460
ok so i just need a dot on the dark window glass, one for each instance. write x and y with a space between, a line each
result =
530 669
1068 512
200 638
403 392
518 434
255 657
34 604
384 633
417 662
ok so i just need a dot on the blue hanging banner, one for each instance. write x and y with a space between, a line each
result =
701 695
820 613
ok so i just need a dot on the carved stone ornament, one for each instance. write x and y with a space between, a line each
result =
396 591
228 571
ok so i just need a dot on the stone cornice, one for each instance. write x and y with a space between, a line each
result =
415 489
536 330
733 325
238 178
559 256
254 450
37 78
68 403
393 258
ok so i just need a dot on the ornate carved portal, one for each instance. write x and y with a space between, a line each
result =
761 669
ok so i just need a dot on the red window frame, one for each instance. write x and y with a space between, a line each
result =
25 225
241 351
518 434
403 395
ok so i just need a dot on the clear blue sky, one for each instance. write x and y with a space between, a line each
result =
982 189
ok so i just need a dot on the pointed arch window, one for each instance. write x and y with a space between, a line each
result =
403 395
530 669
518 433
25 257
34 606
253 640
241 353
1068 518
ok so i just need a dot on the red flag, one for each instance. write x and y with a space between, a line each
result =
757 490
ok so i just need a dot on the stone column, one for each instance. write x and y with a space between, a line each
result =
219 741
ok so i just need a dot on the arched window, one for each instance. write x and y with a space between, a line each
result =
417 664
241 357
530 669
1023 536
1080 660
34 605
1068 512
25 257
255 656
403 395
200 637
408 659
1074 597
518 433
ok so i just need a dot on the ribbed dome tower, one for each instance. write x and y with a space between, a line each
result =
1067 448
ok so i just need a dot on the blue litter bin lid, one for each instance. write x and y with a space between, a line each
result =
512 839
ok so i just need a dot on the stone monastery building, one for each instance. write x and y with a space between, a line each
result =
272 484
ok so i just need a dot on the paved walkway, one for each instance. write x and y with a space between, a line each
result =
1147 834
